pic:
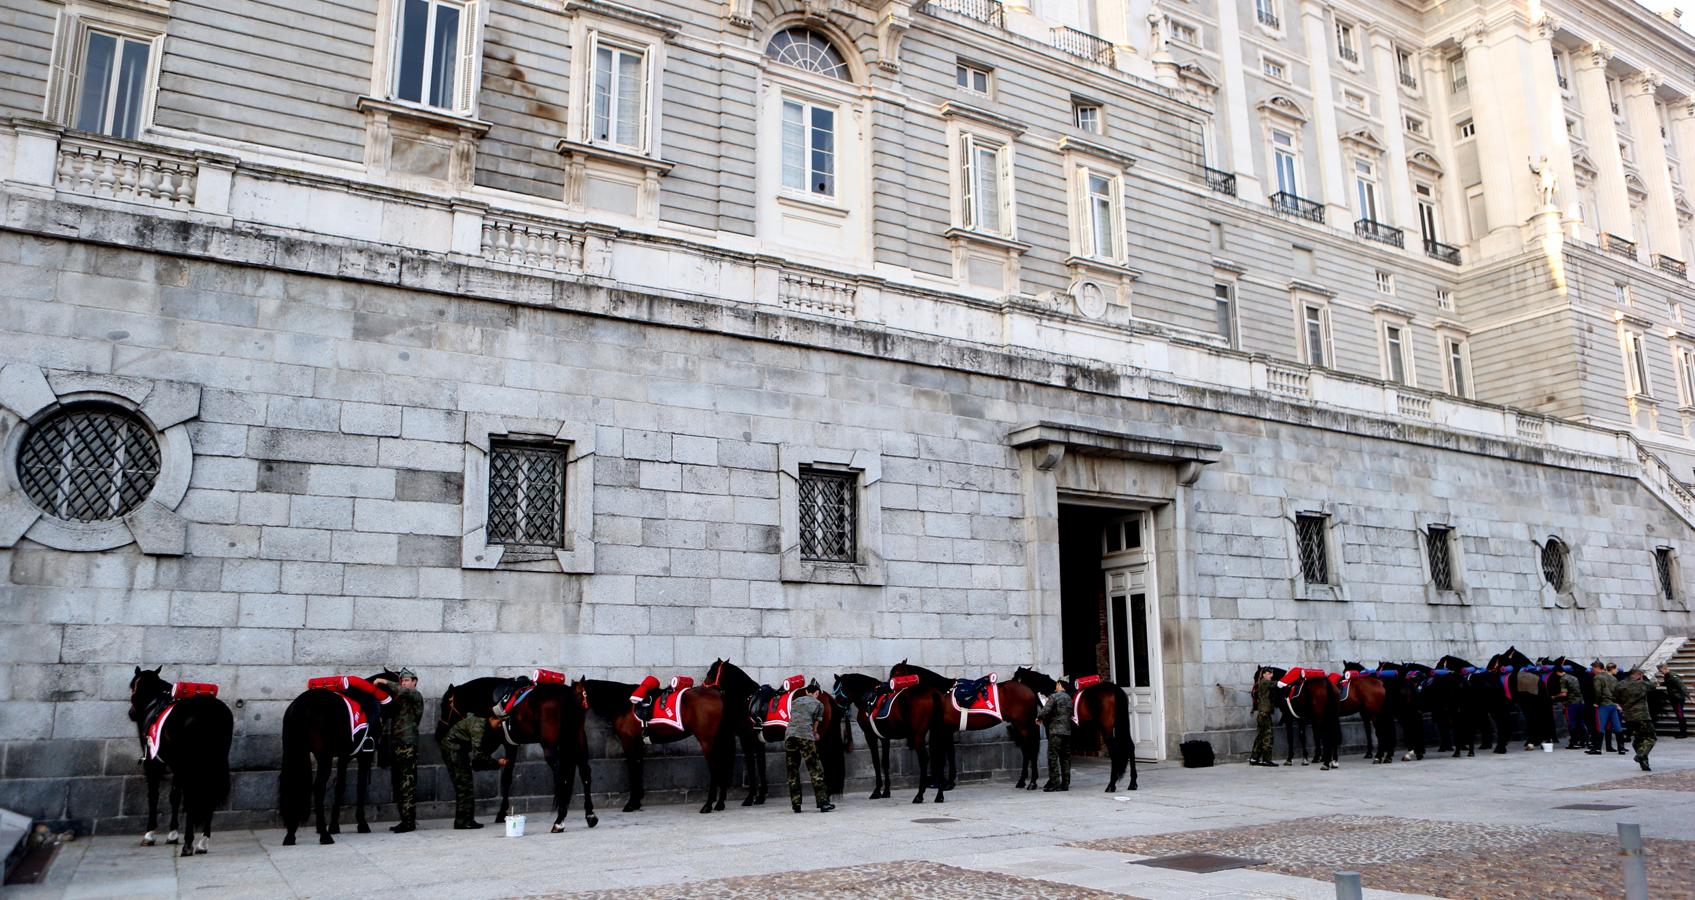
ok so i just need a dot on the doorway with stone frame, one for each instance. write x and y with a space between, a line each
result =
1109 607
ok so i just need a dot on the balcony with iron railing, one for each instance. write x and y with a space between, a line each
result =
989 12
1565 84
1618 246
1082 44
1298 206
1221 181
1373 230
1441 252
1460 83
1671 265
1409 81
1268 19
1348 54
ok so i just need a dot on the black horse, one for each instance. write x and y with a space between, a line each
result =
1528 686
740 690
1410 698
1103 709
476 698
1485 706
316 733
193 746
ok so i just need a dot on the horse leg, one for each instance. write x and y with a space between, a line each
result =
320 783
361 791
512 756
147 838
564 780
759 769
176 810
726 754
750 774
710 750
1031 745
583 773
633 771
942 755
924 764
340 794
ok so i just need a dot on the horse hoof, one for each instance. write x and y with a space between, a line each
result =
187 850
364 829
288 840
1132 785
1019 786
557 829
173 837
939 799
335 829
325 839
918 799
706 809
747 801
593 820
632 807
148 840
201 848
500 818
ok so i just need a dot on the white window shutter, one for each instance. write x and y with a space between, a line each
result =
1083 218
966 183
62 86
1003 162
469 79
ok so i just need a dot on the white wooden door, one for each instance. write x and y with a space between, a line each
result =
1132 622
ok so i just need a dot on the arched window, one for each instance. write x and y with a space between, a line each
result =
809 51
89 463
1554 562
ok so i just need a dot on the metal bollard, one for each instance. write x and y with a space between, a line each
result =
1348 886
1635 864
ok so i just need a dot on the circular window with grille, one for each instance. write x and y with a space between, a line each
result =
1554 564
89 463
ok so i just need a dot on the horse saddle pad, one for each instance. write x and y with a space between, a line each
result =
666 708
776 713
512 694
883 696
979 696
156 729
357 722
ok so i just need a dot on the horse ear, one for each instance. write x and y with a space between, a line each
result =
158 669
138 670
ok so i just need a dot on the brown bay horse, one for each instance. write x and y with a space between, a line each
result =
702 717
1312 700
552 715
1369 698
193 748
1018 707
914 714
739 690
1103 709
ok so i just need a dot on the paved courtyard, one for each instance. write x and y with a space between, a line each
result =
1485 827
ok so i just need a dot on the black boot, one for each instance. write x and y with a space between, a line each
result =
403 827
1608 739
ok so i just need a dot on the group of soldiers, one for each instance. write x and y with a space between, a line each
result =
1621 708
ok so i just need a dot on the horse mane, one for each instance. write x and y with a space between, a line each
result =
1453 662
1042 683
732 678
925 676
857 684
1276 673
608 698
146 687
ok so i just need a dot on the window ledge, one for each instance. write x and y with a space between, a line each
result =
993 240
1083 147
424 114
801 201
570 149
871 573
1111 267
1436 597
1323 593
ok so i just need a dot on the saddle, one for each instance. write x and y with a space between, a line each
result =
361 698
882 699
507 697
153 724
769 707
977 696
662 708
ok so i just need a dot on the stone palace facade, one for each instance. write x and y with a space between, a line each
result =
1153 339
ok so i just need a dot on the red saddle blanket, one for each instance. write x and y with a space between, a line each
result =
985 703
357 723
777 713
156 729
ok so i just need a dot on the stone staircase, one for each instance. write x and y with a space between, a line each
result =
1682 661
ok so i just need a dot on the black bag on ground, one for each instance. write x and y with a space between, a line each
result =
1196 754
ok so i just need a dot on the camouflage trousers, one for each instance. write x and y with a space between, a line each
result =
1262 736
464 787
1059 759
1641 736
403 777
795 751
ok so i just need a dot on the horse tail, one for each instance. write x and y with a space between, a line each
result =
295 781
1123 741
832 747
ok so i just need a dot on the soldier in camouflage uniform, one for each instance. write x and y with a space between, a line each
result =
1677 696
1632 695
466 748
1606 711
1577 715
1056 715
1265 703
406 710
800 743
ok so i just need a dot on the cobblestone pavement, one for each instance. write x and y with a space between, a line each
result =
1681 780
1449 859
911 880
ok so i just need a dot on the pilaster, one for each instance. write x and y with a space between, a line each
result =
1642 112
1453 203
1241 142
1613 212
1401 213
1555 143
1495 156
1319 48
1683 133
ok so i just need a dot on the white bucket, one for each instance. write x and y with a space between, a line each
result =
514 826
1547 747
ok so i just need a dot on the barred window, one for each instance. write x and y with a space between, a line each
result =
526 495
1554 564
1663 571
1438 540
89 463
829 514
1315 554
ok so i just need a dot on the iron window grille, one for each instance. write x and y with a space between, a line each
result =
829 515
1663 570
1315 554
1438 540
1554 564
526 495
89 464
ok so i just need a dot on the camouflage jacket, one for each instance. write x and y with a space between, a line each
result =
1633 700
1674 689
805 715
1265 698
1056 713
1572 687
1604 686
470 737
407 712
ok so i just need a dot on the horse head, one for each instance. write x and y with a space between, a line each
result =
1036 681
145 687
1349 665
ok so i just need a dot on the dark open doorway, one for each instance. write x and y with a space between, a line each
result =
1081 588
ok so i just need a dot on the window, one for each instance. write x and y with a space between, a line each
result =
1086 116
1636 365
1313 546
1365 191
1266 12
526 495
1664 572
620 97
88 463
1425 196
1444 300
1456 73
112 84
828 515
1407 67
1347 43
1415 126
1438 546
1623 296
1182 31
971 77
1355 101
1283 160
1315 334
1466 129
809 148
1101 214
1574 129
987 195
1459 369
434 58
1686 375
1554 564
1560 76
1217 229
1274 68
808 51
1224 311
1395 366
1385 282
